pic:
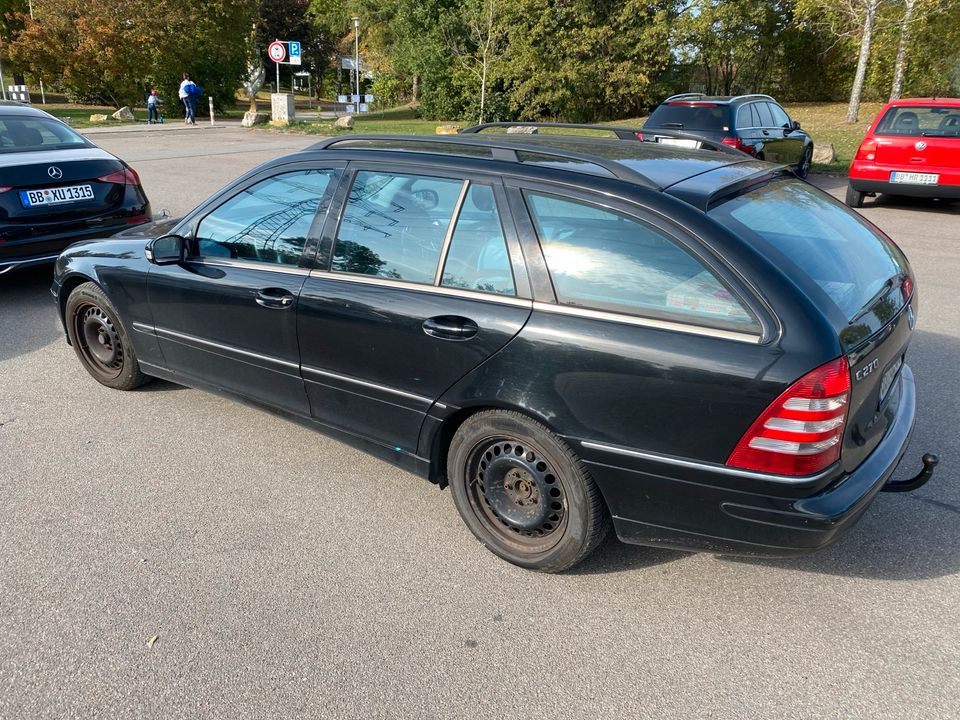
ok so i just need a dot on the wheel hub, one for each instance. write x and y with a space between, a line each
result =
101 342
518 489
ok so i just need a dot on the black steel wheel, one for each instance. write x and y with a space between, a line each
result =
99 339
523 493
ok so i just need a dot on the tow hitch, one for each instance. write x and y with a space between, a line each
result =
930 461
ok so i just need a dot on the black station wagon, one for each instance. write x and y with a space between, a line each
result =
571 332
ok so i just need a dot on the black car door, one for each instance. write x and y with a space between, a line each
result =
422 281
791 140
227 315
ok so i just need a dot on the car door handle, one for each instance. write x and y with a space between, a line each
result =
274 298
450 327
766 132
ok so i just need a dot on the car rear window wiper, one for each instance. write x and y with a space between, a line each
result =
884 289
941 134
671 125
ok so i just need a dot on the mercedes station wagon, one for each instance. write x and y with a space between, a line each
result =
694 347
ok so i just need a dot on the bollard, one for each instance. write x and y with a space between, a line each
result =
211 110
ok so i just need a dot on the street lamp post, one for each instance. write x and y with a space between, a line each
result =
356 55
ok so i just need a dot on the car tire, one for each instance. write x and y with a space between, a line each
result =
803 169
854 198
523 493
100 340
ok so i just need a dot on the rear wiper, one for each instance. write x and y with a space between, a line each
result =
936 134
885 288
671 125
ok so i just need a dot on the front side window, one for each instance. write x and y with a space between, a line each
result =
605 260
780 117
394 226
477 258
267 222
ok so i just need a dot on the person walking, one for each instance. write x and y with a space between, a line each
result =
188 92
153 113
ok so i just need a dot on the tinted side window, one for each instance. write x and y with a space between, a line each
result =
394 226
780 117
766 119
755 120
477 258
607 261
267 222
744 117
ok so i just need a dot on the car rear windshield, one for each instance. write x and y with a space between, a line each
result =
690 116
26 134
920 121
797 225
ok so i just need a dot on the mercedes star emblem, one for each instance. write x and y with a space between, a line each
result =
54 172
921 145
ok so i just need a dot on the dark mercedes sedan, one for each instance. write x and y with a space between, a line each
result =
694 347
57 187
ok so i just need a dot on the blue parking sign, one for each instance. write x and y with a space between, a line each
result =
294 48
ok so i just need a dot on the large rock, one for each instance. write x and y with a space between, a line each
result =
97 117
447 129
254 118
824 154
521 130
344 123
123 113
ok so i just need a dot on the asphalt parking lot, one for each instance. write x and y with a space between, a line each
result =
285 574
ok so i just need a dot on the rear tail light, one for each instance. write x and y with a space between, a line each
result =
801 432
126 176
867 150
907 288
639 136
5 188
736 143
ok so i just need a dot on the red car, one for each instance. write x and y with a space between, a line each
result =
912 148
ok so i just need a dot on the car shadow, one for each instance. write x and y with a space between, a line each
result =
28 317
902 202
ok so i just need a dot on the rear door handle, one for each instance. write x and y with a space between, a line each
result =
450 327
274 298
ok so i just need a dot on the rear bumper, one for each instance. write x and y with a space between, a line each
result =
872 178
53 245
727 514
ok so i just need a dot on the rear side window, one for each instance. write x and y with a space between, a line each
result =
690 116
477 258
920 121
848 260
604 260
394 226
763 113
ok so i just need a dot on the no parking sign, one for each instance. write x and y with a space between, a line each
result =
277 51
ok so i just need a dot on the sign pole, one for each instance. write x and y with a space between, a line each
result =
356 50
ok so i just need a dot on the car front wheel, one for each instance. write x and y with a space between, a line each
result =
854 198
99 339
523 493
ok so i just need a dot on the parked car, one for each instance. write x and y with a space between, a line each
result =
57 187
569 331
755 124
912 148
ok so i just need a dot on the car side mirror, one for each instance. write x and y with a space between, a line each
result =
165 250
795 125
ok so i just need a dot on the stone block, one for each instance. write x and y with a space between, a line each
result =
254 118
282 107
123 113
97 117
344 123
447 129
824 154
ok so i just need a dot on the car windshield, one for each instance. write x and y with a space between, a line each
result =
26 134
920 121
818 236
690 116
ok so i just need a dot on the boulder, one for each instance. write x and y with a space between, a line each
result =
344 123
97 117
254 118
123 113
521 130
447 129
824 154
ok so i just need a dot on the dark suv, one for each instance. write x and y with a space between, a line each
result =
694 346
756 124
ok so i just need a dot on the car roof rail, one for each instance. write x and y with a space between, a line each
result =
686 96
505 150
751 95
622 133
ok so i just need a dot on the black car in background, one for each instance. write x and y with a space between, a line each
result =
755 124
694 346
57 187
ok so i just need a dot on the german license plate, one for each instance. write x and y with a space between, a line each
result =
914 178
56 196
888 377
678 142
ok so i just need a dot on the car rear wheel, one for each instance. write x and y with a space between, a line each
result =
854 198
99 339
523 493
803 169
